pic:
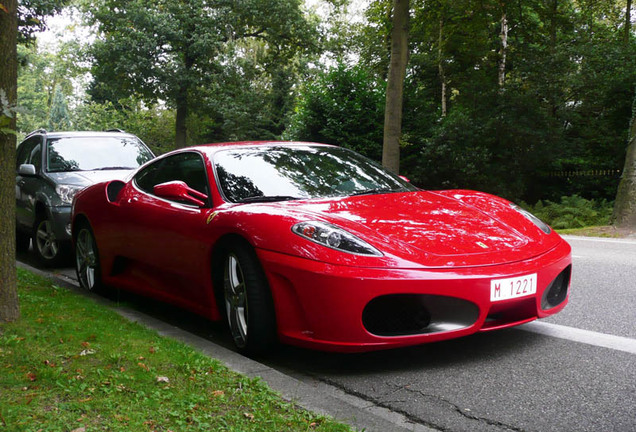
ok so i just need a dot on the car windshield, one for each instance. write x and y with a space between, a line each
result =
300 172
95 153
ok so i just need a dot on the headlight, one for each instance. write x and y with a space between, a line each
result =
532 218
67 192
334 237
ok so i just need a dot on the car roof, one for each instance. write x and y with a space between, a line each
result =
80 134
215 147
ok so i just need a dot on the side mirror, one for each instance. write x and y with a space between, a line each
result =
27 170
179 191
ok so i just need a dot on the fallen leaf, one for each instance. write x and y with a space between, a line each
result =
87 352
163 379
32 376
218 393
143 366
79 429
249 416
86 344
152 350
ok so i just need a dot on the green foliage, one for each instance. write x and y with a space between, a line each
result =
32 15
71 364
343 106
572 212
46 82
564 105
153 124
59 117
194 55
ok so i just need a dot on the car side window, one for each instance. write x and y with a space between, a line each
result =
25 152
187 167
36 157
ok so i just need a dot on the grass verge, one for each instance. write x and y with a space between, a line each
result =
70 364
607 231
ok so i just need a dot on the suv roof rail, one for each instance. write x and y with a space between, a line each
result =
115 130
42 131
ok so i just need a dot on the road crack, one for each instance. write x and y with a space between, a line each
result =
385 401
464 412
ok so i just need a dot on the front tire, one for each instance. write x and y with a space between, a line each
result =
45 244
249 308
87 265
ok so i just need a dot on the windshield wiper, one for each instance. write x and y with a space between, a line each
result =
114 168
268 198
376 191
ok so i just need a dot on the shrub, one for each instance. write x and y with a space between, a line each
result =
573 212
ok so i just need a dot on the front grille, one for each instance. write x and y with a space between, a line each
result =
409 314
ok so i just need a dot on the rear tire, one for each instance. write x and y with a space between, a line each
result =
87 265
249 308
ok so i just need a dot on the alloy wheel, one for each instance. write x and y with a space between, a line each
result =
236 300
45 240
86 259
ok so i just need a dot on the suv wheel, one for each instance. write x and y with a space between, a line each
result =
45 244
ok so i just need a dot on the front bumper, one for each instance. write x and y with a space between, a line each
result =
61 222
340 308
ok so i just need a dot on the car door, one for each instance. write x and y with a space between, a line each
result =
27 186
166 239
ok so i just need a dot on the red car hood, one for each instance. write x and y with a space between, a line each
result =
434 229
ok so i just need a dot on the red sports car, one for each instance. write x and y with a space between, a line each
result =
316 246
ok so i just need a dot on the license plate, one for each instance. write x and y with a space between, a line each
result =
510 288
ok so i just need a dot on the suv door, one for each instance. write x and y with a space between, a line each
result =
29 152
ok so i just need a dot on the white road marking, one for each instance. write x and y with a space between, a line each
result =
618 343
600 239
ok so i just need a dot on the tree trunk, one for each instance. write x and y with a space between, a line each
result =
9 310
628 22
182 101
395 86
552 98
625 204
503 50
182 115
440 65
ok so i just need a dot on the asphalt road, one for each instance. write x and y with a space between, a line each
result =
572 372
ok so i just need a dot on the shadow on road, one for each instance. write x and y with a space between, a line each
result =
440 355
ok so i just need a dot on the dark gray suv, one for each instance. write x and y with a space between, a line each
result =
51 168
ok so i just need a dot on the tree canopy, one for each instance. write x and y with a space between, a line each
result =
530 100
177 52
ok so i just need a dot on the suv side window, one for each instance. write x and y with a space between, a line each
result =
187 167
36 157
26 150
